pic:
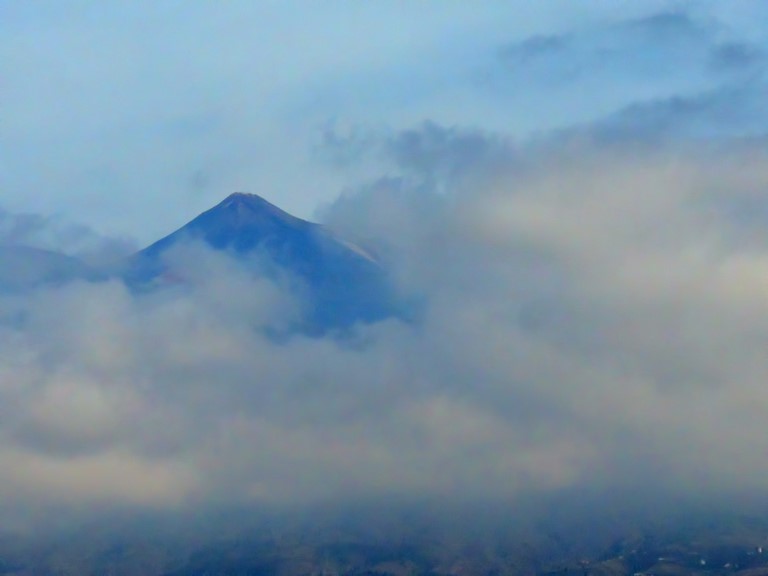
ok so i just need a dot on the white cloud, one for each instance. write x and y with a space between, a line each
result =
588 319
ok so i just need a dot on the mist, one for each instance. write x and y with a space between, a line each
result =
591 326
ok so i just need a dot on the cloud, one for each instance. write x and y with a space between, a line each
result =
674 25
57 235
737 56
535 47
732 110
656 47
592 321
688 61
619 267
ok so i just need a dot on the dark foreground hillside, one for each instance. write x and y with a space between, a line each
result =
705 546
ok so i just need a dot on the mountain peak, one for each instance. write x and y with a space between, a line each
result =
247 200
342 283
245 209
245 197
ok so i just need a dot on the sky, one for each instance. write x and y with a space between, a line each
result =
132 118
576 191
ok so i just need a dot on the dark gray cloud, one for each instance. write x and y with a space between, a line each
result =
597 49
435 149
534 48
630 71
733 110
737 56
670 26
644 47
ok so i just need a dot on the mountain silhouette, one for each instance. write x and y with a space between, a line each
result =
343 282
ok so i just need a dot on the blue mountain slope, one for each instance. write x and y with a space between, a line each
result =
345 284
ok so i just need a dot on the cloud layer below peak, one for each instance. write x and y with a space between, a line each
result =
592 319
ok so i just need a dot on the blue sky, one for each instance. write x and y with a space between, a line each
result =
133 117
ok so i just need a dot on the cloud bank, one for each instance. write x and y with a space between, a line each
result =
593 319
